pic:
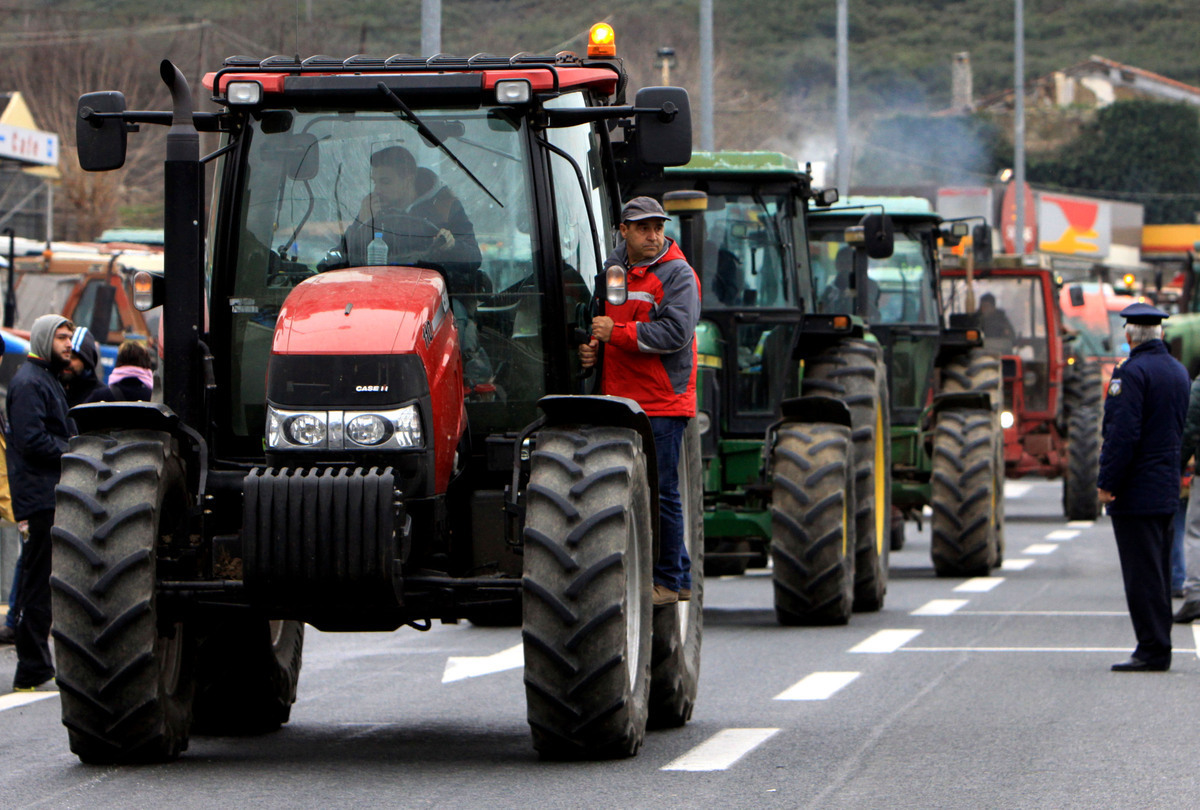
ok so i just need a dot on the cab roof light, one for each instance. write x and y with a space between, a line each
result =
602 41
243 92
513 91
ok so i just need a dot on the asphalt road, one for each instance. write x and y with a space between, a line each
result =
960 693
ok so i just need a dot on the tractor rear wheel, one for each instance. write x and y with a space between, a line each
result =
853 371
246 675
812 533
678 628
125 667
587 593
964 494
1081 499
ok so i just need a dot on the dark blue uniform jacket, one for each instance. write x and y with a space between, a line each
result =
1143 432
41 432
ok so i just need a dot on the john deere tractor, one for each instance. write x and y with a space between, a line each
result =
782 387
946 442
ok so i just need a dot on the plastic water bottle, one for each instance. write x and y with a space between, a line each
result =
377 250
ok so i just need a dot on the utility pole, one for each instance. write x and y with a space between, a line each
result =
1019 122
706 75
431 27
843 99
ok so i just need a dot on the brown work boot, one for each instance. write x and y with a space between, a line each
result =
685 594
664 595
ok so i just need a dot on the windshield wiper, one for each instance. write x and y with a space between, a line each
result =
427 133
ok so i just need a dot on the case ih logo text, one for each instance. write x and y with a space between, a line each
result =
381 389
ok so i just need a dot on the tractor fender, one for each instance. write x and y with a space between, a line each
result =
815 408
131 415
965 399
596 409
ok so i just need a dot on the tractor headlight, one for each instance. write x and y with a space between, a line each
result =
703 421
243 92
369 429
344 430
1006 419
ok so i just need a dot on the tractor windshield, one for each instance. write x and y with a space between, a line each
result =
900 287
321 190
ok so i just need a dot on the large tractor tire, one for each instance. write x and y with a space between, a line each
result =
678 628
588 590
125 668
854 372
246 675
1081 498
1083 395
964 494
812 541
978 371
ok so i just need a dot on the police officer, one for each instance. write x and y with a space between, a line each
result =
1139 479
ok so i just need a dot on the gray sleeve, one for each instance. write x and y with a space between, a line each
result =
676 316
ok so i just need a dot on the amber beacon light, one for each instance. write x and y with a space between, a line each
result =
602 41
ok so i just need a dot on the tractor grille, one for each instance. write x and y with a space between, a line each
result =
311 535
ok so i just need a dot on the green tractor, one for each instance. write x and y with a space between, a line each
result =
947 448
793 403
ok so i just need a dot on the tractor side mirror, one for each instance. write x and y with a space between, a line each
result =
825 197
981 245
102 310
1076 293
664 136
100 133
878 235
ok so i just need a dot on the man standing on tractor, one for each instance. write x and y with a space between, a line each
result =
41 430
1139 479
651 359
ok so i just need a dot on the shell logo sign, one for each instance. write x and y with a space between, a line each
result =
1074 226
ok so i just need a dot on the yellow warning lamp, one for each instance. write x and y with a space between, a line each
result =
602 41
1128 280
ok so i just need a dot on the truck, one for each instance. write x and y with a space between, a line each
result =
946 449
773 369
321 455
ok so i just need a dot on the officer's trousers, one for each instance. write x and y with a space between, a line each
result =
1191 546
1144 546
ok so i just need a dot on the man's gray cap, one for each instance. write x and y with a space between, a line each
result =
642 208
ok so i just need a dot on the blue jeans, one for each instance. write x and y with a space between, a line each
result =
1178 569
673 568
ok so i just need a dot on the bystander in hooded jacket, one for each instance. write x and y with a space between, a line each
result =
38 421
132 380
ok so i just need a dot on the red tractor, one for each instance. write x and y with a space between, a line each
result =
1052 399
363 443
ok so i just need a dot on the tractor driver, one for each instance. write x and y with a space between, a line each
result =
994 322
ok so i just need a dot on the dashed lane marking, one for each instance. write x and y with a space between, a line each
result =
721 750
939 607
1013 489
1080 524
15 699
1016 564
1196 636
461 667
1124 649
1103 613
817 686
1040 548
979 584
885 641
1063 534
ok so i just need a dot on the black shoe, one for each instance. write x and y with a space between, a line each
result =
1138 665
1188 612
7 635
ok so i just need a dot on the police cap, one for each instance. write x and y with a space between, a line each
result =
1143 314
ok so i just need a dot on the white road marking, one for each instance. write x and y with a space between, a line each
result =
721 750
1080 524
885 641
1040 548
1016 564
1014 489
1063 534
1028 649
1089 613
939 607
817 686
461 667
15 699
1196 636
979 584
